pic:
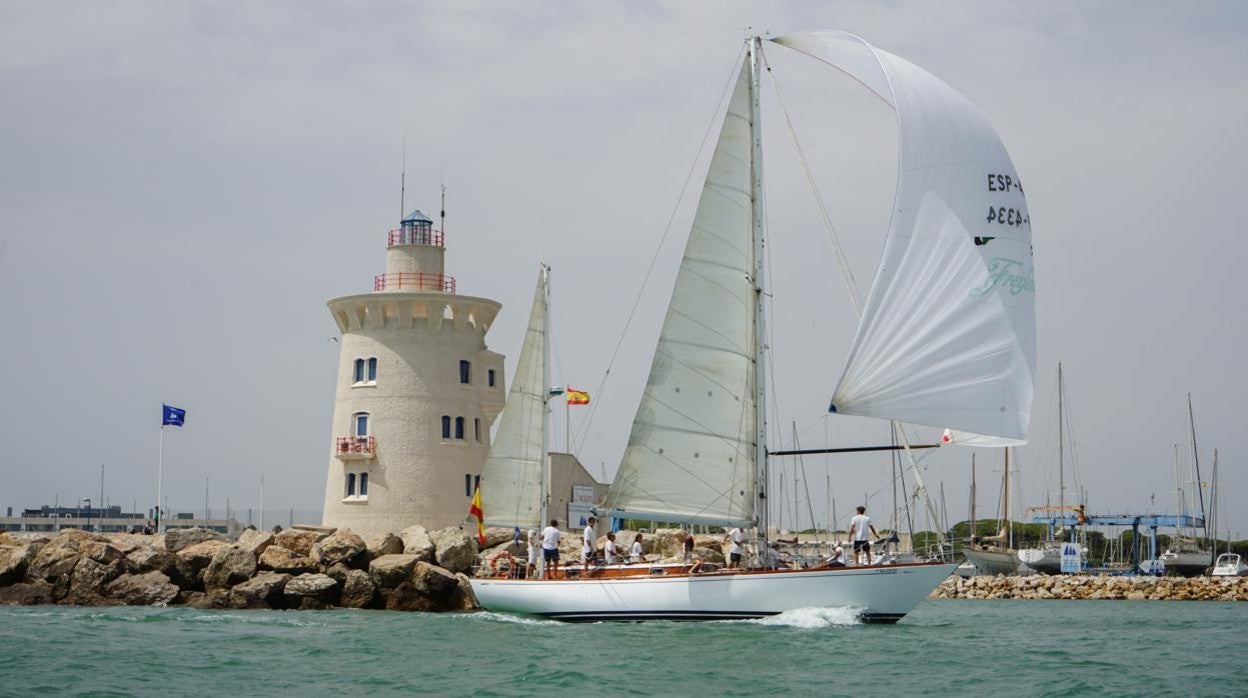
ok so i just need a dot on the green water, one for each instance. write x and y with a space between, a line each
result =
987 648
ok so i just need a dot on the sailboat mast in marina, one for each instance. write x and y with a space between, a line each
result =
946 339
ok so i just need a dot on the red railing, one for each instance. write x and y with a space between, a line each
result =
416 281
362 445
433 238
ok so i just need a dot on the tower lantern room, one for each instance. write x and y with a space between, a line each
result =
415 256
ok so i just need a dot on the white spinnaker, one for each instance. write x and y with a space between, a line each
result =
690 456
948 333
511 490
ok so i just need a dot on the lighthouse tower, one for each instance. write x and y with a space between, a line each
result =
417 392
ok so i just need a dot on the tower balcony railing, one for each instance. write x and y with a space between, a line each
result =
355 447
414 281
409 236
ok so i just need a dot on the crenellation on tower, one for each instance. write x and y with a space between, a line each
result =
417 393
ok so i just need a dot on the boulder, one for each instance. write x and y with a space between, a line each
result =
708 554
151 559
497 535
416 542
216 599
280 559
389 571
343 546
26 594
230 565
358 590
265 590
433 581
104 552
456 549
384 544
405 597
462 598
338 572
14 560
319 587
299 540
179 539
254 541
199 555
89 579
52 563
147 589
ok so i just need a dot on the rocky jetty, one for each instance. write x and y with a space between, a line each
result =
300 568
1095 587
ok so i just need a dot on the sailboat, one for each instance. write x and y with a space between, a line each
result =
946 339
1185 555
1046 557
987 554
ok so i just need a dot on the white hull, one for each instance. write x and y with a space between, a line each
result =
1189 563
881 594
1230 565
993 562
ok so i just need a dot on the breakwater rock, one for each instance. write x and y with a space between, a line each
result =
299 568
1095 587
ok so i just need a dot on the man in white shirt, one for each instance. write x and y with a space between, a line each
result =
838 556
550 548
589 544
735 538
610 551
860 530
534 545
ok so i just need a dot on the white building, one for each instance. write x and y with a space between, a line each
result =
417 392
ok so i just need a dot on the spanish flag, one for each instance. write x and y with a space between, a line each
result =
475 510
576 397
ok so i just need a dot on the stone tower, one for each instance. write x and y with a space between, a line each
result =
417 392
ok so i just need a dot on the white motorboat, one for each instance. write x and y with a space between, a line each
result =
1230 565
946 339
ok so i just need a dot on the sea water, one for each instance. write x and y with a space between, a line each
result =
956 647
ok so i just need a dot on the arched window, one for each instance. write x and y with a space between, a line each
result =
490 377
359 370
465 372
372 368
363 484
350 484
446 426
361 424
459 427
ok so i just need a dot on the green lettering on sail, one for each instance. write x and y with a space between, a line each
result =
1008 273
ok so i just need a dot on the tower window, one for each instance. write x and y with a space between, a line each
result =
363 484
476 428
361 424
446 426
459 427
372 368
489 375
359 370
467 484
465 372
350 484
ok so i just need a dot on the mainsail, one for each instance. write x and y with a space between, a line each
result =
691 452
511 481
948 334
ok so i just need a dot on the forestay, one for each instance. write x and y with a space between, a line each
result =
511 480
690 455
947 337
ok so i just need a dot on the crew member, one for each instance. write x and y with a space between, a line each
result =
550 548
860 530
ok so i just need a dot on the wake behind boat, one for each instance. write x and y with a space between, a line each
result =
946 339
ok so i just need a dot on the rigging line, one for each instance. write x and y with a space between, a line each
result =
842 259
583 430
810 507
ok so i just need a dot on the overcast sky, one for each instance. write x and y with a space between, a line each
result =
184 185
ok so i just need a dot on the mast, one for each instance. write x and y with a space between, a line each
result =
1191 419
1009 524
760 368
973 526
545 393
1061 448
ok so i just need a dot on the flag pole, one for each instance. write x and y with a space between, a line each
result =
160 482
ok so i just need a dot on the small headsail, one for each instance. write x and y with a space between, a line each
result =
948 333
511 488
690 456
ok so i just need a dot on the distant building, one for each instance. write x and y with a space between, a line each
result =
417 392
50 519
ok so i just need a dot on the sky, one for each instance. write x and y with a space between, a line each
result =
184 185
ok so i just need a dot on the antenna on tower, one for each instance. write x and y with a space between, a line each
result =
442 214
403 181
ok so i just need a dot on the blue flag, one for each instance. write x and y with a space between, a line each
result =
172 416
